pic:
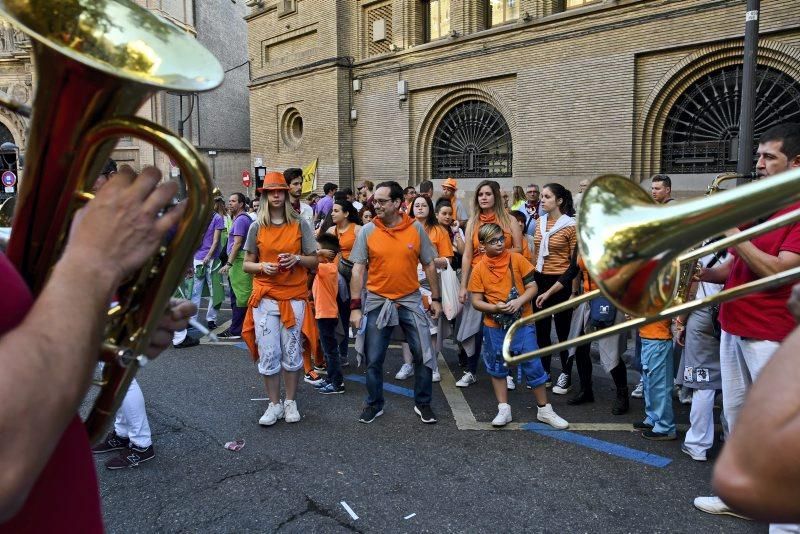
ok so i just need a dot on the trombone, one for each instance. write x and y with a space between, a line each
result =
633 249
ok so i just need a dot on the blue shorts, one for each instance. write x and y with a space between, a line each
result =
524 341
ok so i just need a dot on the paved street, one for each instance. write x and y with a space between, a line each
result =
396 474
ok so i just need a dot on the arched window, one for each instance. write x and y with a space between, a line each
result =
702 128
5 134
472 141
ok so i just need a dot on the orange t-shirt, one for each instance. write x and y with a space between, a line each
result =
346 240
325 290
492 277
658 330
393 255
526 250
440 240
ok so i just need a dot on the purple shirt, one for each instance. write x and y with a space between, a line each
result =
324 205
217 223
240 227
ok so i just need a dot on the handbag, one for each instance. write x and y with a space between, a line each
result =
602 313
451 306
505 320
345 269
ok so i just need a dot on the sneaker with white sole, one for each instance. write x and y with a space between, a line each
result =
503 416
714 505
510 385
638 391
436 377
467 380
547 415
563 384
271 416
313 378
290 411
693 456
405 372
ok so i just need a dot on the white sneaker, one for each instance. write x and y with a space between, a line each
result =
638 391
503 416
405 372
292 415
466 380
563 384
437 376
510 385
714 505
271 416
549 416
693 456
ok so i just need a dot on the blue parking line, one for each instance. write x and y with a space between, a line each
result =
391 388
613 449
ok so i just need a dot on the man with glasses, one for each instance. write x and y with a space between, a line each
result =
391 247
533 208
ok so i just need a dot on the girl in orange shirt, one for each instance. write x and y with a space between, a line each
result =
346 228
280 250
487 207
422 210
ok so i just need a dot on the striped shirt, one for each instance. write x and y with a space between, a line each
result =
562 243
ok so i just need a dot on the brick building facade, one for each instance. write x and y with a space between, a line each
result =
516 90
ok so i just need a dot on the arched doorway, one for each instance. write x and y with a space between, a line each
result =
5 134
701 130
472 140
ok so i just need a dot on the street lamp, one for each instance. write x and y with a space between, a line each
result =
213 155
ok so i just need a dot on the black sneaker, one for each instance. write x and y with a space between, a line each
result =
425 413
189 341
212 325
113 442
131 457
320 385
658 436
642 426
227 334
331 389
369 414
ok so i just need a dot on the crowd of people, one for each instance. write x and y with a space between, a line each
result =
306 279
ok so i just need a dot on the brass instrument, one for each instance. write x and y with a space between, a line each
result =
97 62
690 269
632 248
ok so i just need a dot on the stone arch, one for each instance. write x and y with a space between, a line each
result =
435 112
647 148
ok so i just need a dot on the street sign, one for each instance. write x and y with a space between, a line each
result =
9 179
258 162
246 178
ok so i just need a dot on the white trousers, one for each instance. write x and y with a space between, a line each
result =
278 346
741 361
197 292
700 436
131 421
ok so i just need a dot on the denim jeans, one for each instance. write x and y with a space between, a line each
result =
524 341
327 335
377 341
658 381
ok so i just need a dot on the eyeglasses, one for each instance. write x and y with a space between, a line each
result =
495 241
382 201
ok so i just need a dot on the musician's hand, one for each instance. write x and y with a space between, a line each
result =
120 228
436 310
794 302
732 231
176 318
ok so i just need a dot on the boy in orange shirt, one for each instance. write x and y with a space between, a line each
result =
491 286
659 421
325 290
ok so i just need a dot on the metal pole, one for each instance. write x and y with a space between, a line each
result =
744 164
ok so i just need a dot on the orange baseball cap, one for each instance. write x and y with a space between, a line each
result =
273 181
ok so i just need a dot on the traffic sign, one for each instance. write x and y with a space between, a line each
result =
246 178
9 179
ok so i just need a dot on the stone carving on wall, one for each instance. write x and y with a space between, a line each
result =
11 39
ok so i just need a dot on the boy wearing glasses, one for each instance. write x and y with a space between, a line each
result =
502 287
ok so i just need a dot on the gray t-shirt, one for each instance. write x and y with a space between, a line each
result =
309 242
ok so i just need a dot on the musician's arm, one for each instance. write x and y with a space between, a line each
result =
758 472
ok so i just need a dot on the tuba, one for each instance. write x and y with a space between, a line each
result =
634 249
97 62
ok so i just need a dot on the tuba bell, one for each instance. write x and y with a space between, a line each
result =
97 62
